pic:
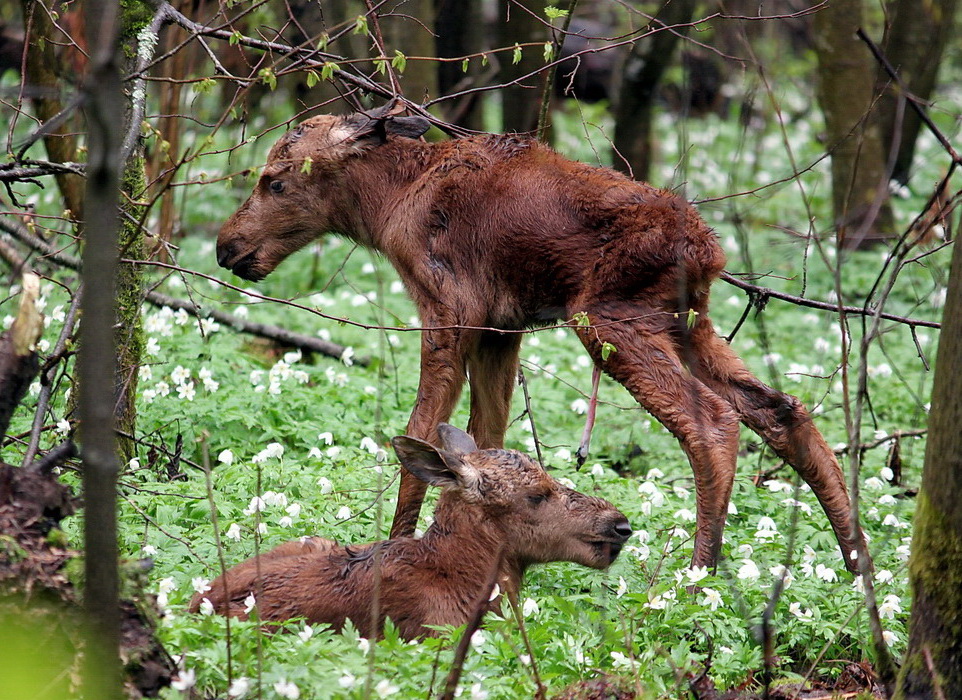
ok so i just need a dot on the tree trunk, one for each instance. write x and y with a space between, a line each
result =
521 104
644 68
859 179
129 294
44 79
95 363
410 32
935 569
459 27
915 40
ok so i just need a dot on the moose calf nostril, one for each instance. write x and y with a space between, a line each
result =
622 529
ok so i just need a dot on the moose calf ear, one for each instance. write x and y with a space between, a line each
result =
456 440
409 127
434 466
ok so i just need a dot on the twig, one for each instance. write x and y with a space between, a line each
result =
205 451
47 376
824 305
55 457
530 415
481 604
263 330
912 99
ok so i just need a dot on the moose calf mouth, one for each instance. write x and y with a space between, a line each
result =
245 267
606 550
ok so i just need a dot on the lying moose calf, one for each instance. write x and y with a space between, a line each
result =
498 509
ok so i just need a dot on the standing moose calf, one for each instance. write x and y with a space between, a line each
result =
498 514
502 232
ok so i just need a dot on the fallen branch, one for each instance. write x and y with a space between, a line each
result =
263 330
277 334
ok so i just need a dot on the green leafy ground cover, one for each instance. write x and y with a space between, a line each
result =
298 446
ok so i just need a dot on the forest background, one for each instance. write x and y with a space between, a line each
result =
217 419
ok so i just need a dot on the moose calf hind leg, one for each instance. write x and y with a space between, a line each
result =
648 364
783 423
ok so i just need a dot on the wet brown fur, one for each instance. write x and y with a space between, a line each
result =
502 232
503 513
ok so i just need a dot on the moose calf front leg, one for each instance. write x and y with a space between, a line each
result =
442 377
492 372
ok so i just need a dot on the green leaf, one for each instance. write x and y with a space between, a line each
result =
581 318
327 70
606 350
360 25
692 317
381 65
322 42
204 86
464 66
516 55
548 51
306 165
235 38
268 76
552 12
312 78
399 61
484 60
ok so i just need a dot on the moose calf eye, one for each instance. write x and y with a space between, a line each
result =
277 186
536 499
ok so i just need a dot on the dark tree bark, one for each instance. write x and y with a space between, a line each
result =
644 68
932 667
520 104
846 83
459 27
96 364
915 40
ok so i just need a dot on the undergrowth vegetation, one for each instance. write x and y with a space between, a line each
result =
298 445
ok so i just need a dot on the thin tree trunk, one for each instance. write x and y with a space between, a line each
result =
520 104
932 667
412 35
846 84
459 28
44 79
644 68
95 363
915 40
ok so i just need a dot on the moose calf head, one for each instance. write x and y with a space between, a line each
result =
296 197
535 517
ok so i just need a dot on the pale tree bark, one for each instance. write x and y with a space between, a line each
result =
932 667
916 34
644 68
846 85
45 76
103 102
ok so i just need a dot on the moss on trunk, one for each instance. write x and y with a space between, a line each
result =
936 628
